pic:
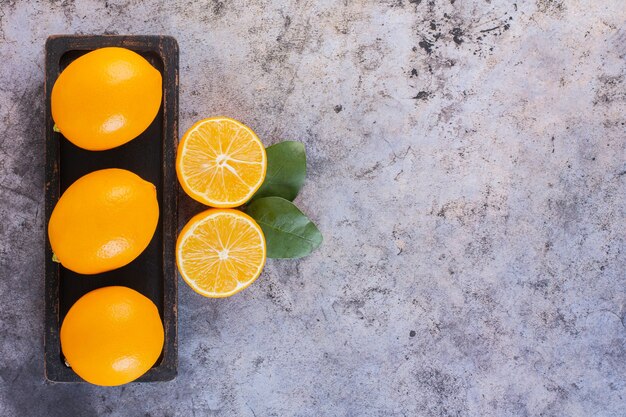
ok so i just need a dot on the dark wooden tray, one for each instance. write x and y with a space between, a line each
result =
151 156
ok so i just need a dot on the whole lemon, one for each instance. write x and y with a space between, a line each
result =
112 336
106 98
103 221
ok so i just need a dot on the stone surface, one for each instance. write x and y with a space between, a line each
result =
466 166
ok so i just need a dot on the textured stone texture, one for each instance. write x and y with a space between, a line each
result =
466 166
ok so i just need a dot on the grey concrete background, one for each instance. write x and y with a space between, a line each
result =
467 166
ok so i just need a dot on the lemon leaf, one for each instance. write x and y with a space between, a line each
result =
288 232
286 170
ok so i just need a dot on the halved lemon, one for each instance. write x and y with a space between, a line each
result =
221 162
220 252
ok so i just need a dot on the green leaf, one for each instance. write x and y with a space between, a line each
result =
286 170
288 232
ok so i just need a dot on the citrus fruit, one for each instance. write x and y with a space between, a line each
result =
220 162
112 336
220 252
106 98
103 221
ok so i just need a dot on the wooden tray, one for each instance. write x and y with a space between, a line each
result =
151 156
